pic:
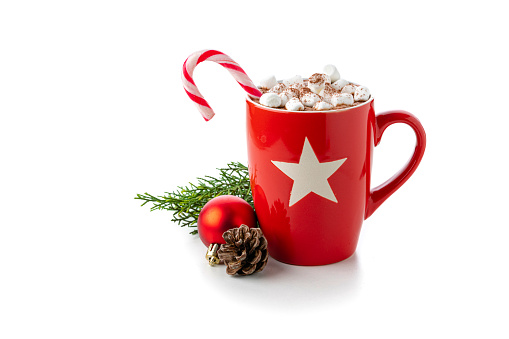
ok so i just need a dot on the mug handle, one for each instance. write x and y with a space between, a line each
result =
383 120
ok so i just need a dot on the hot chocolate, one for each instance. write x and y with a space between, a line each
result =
320 92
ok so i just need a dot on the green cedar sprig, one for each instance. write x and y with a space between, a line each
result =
187 202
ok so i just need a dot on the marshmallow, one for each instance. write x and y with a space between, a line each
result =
268 82
298 86
361 93
294 104
322 106
338 85
327 92
292 80
350 89
309 98
332 72
304 90
289 93
270 100
292 92
279 88
284 99
342 99
317 82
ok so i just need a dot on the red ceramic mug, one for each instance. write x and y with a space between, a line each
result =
310 176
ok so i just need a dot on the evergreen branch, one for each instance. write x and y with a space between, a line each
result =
186 202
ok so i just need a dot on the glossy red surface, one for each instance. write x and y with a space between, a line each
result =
222 213
316 230
383 120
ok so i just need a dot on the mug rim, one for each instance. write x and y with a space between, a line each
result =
284 111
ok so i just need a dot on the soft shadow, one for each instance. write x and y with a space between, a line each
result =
285 286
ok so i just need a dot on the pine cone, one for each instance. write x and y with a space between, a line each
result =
245 251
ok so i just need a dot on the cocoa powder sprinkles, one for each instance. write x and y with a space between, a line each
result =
342 106
304 92
325 91
317 79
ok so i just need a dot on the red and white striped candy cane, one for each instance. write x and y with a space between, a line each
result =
224 60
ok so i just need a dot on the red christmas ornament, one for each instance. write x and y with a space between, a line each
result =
219 215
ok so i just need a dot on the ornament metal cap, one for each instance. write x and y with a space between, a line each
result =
211 255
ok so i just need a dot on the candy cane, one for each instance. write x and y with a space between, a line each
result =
224 60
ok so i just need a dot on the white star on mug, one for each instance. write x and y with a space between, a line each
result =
309 175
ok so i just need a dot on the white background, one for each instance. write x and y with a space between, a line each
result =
93 112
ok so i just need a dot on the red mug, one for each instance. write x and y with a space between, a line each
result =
310 175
